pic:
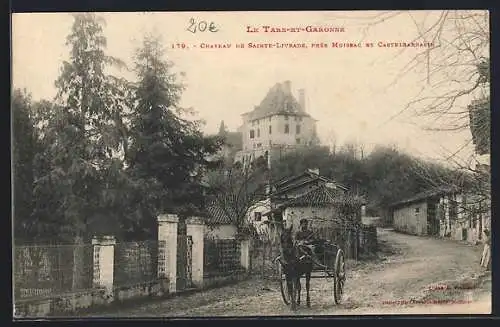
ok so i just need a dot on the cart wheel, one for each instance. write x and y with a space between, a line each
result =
283 285
338 286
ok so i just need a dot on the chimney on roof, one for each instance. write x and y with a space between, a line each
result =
287 87
302 100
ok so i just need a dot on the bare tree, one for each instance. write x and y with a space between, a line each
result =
235 190
454 69
454 93
331 140
474 183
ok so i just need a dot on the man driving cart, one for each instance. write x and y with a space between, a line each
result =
307 241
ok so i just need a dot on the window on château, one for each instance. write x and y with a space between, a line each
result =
252 134
298 140
258 132
297 129
286 117
287 129
270 129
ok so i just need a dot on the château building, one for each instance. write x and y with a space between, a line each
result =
278 124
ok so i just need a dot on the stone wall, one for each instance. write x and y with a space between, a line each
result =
106 291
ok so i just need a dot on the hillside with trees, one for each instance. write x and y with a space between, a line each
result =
384 176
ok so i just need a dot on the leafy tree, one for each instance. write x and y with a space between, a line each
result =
480 114
298 161
390 178
384 176
23 150
342 166
347 168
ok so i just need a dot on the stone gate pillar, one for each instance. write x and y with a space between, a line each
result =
104 255
167 251
245 253
196 229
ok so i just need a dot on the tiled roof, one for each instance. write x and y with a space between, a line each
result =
323 196
438 191
280 188
217 215
320 197
277 100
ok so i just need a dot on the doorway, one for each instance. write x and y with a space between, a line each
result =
432 219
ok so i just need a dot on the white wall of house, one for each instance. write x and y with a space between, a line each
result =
255 212
444 221
473 223
459 224
411 218
315 215
280 134
255 216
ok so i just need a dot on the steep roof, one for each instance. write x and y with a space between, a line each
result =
278 100
321 196
434 192
217 215
307 176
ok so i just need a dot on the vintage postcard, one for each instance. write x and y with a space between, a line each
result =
251 163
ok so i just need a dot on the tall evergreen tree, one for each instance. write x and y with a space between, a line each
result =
168 154
79 139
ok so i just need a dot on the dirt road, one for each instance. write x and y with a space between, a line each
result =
412 275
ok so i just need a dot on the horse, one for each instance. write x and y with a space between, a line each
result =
295 265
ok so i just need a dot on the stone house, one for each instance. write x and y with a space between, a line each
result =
307 195
445 212
323 202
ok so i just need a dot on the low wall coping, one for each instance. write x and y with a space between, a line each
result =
195 221
103 240
168 218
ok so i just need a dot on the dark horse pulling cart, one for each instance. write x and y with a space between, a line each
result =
331 267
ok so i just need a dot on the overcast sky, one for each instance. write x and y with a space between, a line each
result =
347 90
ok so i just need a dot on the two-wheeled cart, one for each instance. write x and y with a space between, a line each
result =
332 269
